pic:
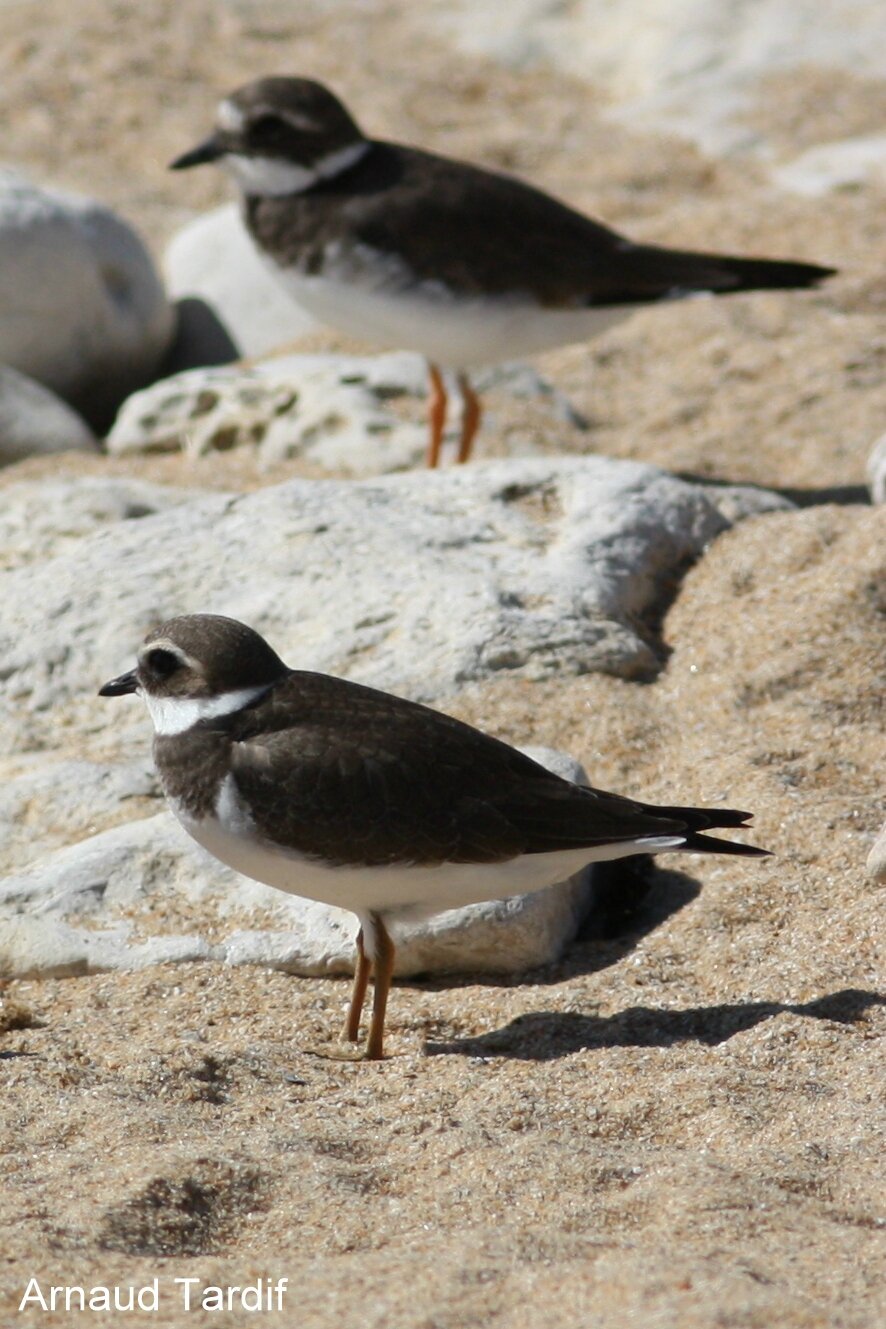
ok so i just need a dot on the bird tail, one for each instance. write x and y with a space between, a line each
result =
676 272
711 844
757 274
699 820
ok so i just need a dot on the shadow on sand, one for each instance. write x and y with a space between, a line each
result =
632 900
547 1035
802 497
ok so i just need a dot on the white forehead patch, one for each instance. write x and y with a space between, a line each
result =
173 715
229 117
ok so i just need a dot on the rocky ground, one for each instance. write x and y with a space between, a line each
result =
680 1122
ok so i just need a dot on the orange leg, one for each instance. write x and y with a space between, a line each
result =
351 1031
436 414
471 413
382 968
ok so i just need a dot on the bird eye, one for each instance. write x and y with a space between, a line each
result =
162 663
266 126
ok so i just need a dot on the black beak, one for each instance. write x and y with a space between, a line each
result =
119 687
208 151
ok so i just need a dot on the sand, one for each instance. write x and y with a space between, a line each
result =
681 1123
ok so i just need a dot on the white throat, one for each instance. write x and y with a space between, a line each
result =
271 177
173 715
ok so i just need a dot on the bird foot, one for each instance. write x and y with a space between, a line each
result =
341 1052
336 1052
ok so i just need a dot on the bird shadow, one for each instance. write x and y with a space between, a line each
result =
549 1035
843 494
632 898
802 497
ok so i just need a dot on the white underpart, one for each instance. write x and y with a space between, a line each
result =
173 715
270 177
398 891
375 297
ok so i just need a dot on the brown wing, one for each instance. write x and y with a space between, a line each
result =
359 776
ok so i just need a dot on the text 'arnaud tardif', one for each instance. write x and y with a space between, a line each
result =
188 1294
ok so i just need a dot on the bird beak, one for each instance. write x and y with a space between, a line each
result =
208 151
119 687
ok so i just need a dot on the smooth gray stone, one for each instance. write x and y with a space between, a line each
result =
85 312
876 859
876 471
35 422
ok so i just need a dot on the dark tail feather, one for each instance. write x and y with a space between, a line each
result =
757 274
710 844
662 274
702 819
699 820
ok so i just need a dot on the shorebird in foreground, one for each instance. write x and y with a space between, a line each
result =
418 252
335 791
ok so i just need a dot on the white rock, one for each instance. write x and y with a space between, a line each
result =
103 872
41 948
330 410
415 583
876 860
42 518
46 803
877 471
84 309
497 937
693 66
214 259
110 878
45 948
847 164
34 421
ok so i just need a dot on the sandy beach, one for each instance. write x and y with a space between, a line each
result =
678 1126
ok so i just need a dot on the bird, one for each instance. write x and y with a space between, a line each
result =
414 251
338 792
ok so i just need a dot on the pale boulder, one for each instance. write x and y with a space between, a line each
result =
35 422
40 519
876 860
85 312
877 471
330 410
415 583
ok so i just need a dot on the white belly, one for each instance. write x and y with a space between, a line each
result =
375 302
397 889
